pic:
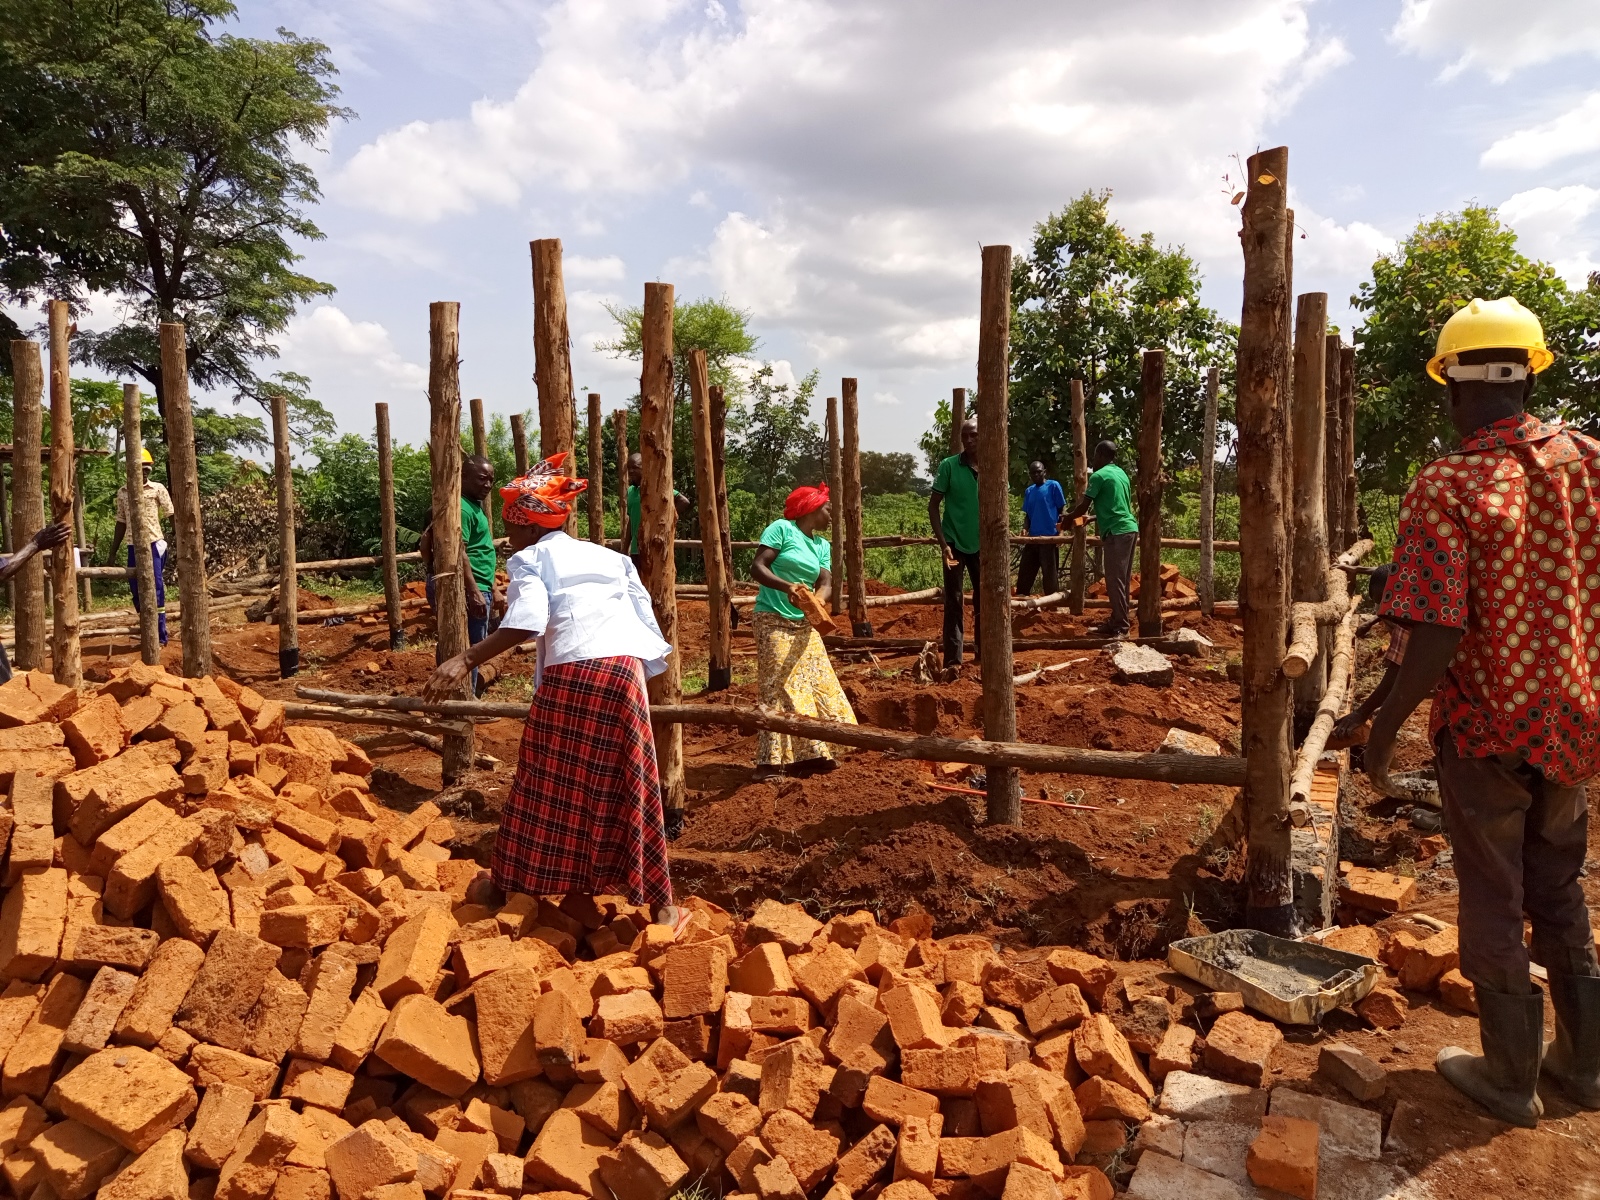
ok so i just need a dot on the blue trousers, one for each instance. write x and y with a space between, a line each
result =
477 629
160 561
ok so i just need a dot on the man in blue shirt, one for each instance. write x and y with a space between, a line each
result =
1042 505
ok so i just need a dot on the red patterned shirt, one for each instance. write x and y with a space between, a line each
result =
1502 539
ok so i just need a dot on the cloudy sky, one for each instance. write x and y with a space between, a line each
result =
835 165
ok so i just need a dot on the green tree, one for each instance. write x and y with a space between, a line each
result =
1087 300
146 155
1445 262
889 474
773 444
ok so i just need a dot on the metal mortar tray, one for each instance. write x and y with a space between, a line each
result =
1297 983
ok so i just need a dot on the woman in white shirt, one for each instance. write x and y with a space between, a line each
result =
584 815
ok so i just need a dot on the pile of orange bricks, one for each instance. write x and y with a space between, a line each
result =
232 974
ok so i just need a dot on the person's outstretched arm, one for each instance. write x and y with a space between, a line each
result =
1428 657
47 538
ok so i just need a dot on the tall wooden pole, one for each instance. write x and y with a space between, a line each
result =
9 595
1153 387
444 453
718 616
84 582
1003 785
597 473
854 551
1347 407
27 506
139 538
1333 447
719 463
67 649
619 423
958 417
552 361
1080 483
1285 414
1206 585
1263 374
195 621
386 522
658 521
1309 549
288 577
519 444
841 573
480 449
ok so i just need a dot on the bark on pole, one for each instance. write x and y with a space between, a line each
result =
619 422
718 612
1262 397
444 454
1080 482
1003 785
1152 387
597 473
1206 585
391 568
85 583
1347 409
5 530
67 649
841 574
139 538
658 522
1332 447
1285 413
854 552
719 463
195 621
288 577
1309 549
552 361
28 509
519 444
480 449
958 417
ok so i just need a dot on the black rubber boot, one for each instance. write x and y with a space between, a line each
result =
1505 1078
1572 1061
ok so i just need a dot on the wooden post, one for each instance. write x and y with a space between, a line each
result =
1205 586
719 672
719 461
619 423
1347 410
1286 413
552 361
658 520
391 568
480 432
841 569
139 538
1263 374
195 621
84 582
1153 386
444 453
855 554
519 444
5 530
288 577
27 509
67 647
1003 785
958 418
1080 482
1309 549
1332 447
597 474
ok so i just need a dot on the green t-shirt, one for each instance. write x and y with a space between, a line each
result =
633 517
480 543
958 484
801 559
1112 495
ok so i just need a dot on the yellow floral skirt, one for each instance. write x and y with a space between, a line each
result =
796 677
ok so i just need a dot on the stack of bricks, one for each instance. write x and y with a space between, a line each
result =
231 974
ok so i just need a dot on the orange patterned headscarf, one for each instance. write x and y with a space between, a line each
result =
543 497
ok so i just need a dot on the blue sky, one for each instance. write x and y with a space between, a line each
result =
834 167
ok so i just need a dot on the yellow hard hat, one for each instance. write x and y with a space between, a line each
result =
147 457
1491 325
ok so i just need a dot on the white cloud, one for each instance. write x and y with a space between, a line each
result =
351 364
593 270
752 265
888 399
1574 132
1497 38
1559 225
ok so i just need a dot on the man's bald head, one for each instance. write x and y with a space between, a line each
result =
477 477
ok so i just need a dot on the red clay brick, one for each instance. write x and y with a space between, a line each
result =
1284 1156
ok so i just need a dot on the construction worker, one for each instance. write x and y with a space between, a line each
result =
1111 494
955 528
1496 575
1042 505
635 519
154 504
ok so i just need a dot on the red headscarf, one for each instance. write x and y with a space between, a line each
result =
543 497
805 500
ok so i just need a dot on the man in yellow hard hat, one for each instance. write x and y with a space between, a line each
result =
1497 574
154 504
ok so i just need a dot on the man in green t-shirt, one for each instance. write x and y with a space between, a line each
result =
477 550
635 474
955 490
1111 494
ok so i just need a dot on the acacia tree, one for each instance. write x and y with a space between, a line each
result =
149 158
1445 262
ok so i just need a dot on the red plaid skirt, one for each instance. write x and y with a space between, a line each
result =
584 814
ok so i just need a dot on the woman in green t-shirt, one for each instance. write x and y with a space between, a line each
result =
795 673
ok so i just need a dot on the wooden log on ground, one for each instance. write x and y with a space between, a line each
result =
1022 604
315 616
1205 585
364 716
658 520
1077 571
185 472
841 573
1332 443
66 655
27 504
1262 397
386 523
288 577
140 538
519 444
444 455
854 551
1340 667
596 495
958 418
625 531
1152 388
552 364
1309 550
1002 787
719 669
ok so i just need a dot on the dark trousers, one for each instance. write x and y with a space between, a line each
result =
477 628
954 616
1519 842
160 561
1037 560
1119 573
